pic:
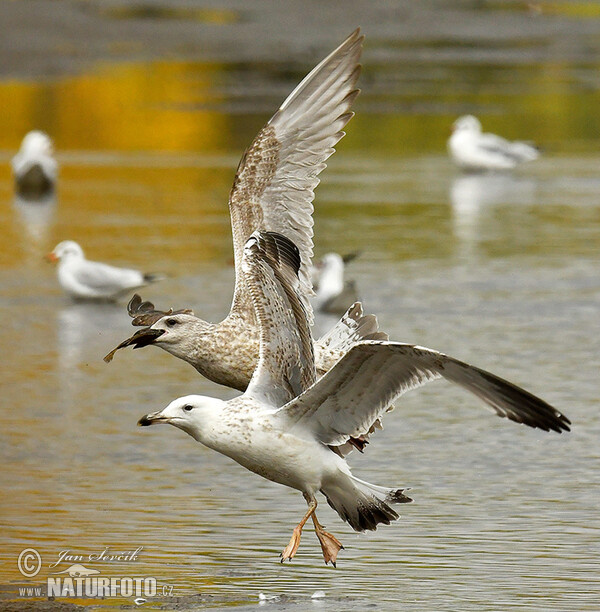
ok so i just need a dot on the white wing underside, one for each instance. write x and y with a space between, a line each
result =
274 185
359 388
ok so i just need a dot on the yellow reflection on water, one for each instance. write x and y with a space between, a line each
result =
131 107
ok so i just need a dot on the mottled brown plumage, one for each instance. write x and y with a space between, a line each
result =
273 191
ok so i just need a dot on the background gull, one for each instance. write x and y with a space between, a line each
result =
287 426
34 168
92 280
473 150
333 294
273 190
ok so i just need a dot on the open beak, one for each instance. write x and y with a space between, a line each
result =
141 338
153 418
51 257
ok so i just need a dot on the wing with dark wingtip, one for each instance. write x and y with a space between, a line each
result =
358 389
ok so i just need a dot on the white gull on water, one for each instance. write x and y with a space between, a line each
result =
473 150
92 280
293 429
333 293
273 190
34 168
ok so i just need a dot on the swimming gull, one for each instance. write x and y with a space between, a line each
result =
92 280
34 168
475 151
273 190
287 426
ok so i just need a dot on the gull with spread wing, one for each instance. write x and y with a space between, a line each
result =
273 190
293 429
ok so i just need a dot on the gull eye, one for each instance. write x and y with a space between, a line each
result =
188 407
172 322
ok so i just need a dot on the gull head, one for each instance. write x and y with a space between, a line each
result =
193 414
178 334
37 143
467 123
67 249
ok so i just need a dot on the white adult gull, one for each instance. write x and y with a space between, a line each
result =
35 169
473 150
291 428
333 293
92 280
273 190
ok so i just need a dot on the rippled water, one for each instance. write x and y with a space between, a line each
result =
500 271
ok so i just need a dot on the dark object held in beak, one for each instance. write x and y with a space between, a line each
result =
144 313
141 338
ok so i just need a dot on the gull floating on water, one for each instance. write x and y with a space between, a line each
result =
333 294
273 190
473 150
92 280
34 167
292 429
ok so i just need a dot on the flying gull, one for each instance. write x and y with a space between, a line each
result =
91 280
289 426
34 168
473 150
273 190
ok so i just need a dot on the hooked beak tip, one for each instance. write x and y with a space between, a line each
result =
152 419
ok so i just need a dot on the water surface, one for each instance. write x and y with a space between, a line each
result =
500 271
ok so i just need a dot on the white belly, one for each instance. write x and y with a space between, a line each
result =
299 463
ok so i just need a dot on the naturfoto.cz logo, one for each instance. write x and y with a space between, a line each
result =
79 580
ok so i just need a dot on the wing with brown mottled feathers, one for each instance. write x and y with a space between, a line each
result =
286 365
274 185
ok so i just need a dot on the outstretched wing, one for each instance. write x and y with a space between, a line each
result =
286 365
357 390
274 185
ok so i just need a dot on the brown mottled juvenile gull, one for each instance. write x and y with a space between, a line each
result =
287 425
273 190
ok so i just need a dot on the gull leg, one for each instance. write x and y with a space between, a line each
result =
330 545
290 550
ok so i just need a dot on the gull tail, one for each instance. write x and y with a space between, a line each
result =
361 504
353 327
